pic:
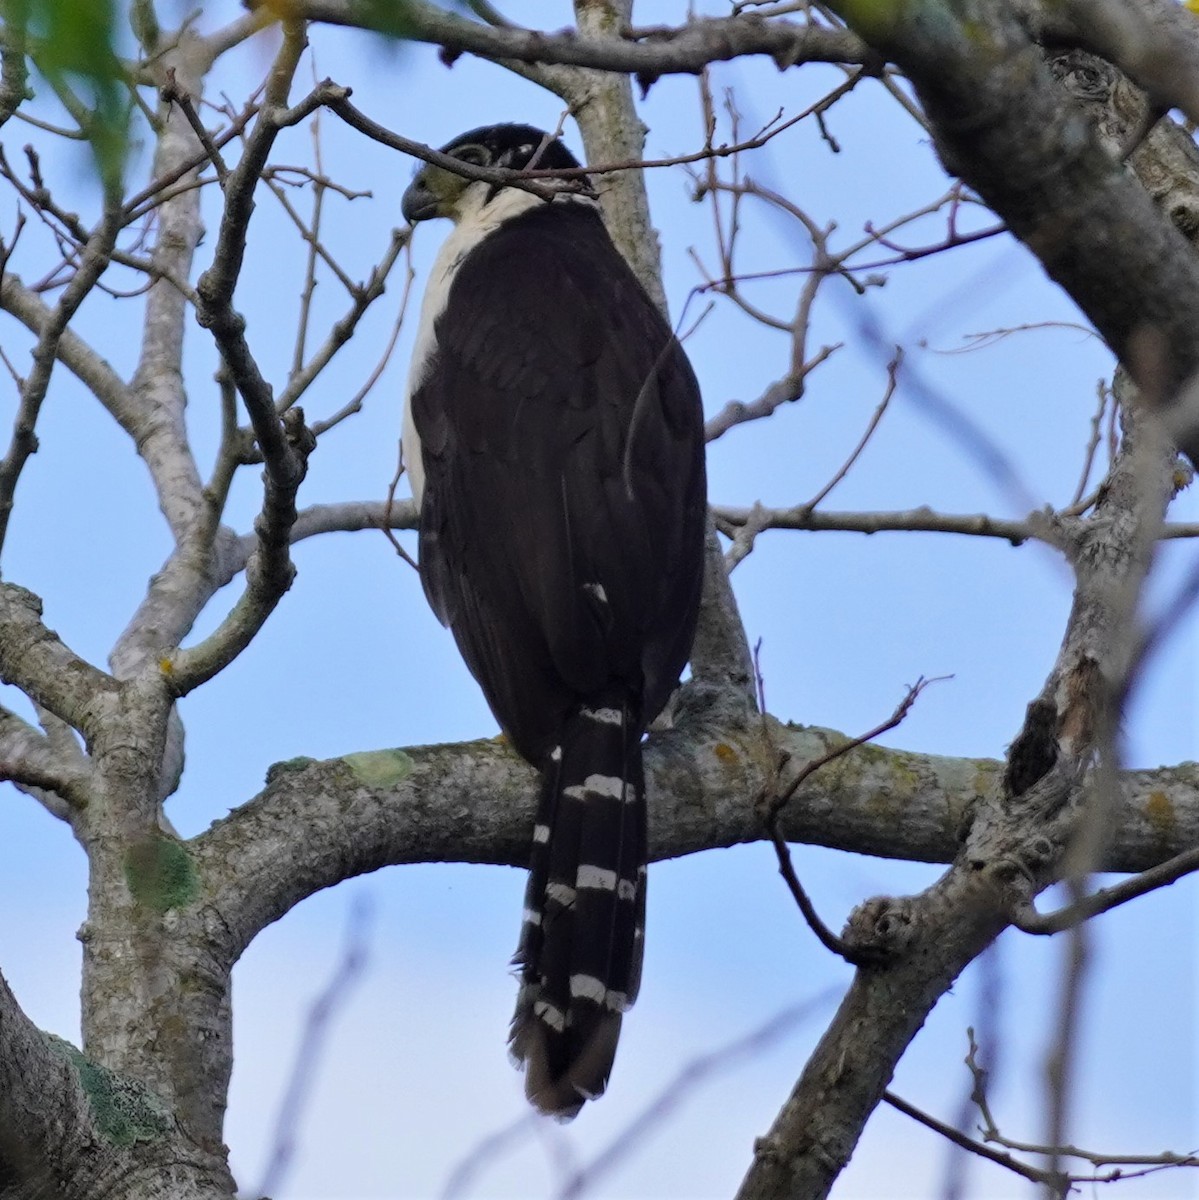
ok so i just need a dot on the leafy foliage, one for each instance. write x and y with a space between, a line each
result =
73 46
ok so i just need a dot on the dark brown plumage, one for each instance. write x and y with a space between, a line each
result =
562 519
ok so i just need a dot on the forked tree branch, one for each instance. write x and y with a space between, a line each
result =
284 443
1017 839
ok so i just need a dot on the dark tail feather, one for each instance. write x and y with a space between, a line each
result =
581 942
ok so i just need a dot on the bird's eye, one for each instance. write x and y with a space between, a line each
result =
475 155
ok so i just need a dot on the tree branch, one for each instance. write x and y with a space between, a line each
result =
1057 1183
1018 837
1029 920
58 781
34 659
646 54
984 85
94 262
285 444
318 822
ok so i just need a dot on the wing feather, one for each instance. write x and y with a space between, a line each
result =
561 527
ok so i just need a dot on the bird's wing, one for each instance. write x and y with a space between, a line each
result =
561 430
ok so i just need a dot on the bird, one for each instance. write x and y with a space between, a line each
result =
553 436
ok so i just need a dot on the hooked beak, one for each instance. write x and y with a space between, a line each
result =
420 200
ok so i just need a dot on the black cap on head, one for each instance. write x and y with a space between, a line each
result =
436 191
514 146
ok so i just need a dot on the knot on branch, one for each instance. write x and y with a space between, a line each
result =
880 930
299 437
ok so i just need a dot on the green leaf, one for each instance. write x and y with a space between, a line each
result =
73 45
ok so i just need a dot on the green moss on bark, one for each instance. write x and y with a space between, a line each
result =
125 1111
160 874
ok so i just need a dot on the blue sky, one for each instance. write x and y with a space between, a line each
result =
415 1074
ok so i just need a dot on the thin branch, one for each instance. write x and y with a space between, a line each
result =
286 443
317 1028
354 404
685 1083
1097 1158
924 520
771 803
1057 1183
872 425
783 391
172 93
312 236
364 295
337 101
95 261
1029 920
1105 397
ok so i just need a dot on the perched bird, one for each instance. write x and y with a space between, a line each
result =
554 440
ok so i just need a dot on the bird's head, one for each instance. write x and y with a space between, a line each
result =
439 192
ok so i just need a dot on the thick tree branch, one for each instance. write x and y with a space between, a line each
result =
1018 837
318 822
59 781
72 1129
647 54
36 660
43 1112
1004 125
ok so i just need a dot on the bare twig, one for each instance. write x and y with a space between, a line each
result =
95 261
1057 1183
317 1029
355 402
1104 900
892 378
991 1133
171 93
770 805
363 296
389 509
684 1085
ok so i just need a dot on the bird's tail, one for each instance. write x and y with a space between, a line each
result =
582 939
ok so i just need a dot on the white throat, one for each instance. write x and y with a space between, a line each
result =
475 220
